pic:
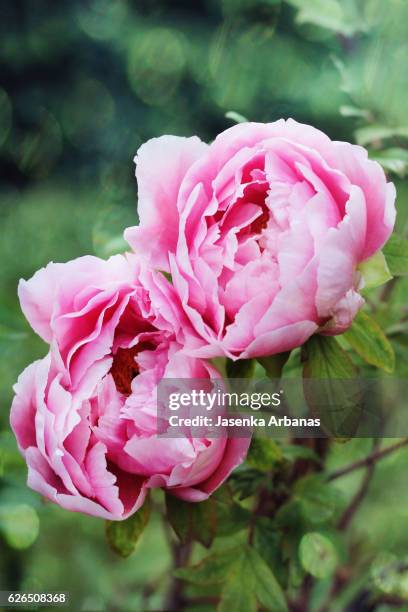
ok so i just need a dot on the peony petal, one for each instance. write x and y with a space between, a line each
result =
24 405
235 451
340 253
343 313
280 340
161 164
155 455
379 195
41 479
101 480
37 299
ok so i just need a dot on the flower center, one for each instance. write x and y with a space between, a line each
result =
260 222
125 368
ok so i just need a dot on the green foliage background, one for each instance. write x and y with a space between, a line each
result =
82 85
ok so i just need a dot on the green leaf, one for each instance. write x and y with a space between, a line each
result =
273 365
369 341
396 254
218 515
318 501
123 536
242 368
331 390
237 117
326 359
267 589
246 480
394 159
238 591
296 573
293 366
192 521
390 575
377 133
317 555
231 516
375 271
237 595
213 569
245 576
329 14
293 452
250 580
264 454
267 541
19 525
348 110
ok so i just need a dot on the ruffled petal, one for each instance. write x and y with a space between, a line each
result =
161 164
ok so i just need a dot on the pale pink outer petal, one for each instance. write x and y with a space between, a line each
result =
37 437
24 406
43 480
203 338
340 254
155 455
379 195
161 164
343 313
280 340
166 304
37 299
234 454
52 290
208 461
101 480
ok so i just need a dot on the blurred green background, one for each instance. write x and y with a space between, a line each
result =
82 85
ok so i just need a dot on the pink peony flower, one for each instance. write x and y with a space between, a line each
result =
85 416
263 231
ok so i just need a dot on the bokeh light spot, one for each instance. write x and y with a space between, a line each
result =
155 64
